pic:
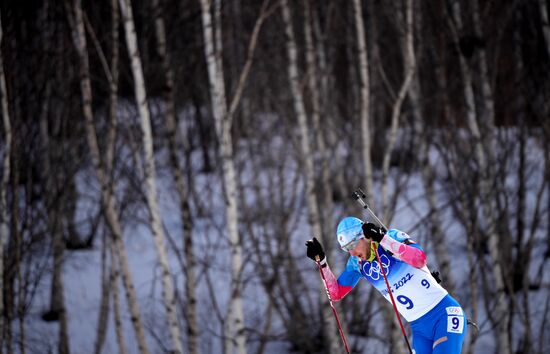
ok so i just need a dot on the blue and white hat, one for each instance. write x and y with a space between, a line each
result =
349 230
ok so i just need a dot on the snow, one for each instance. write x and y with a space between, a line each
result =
82 269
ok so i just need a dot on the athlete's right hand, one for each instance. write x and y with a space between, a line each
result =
315 250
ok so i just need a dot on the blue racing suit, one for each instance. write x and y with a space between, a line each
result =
438 322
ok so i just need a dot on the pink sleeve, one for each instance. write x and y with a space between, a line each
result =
335 291
408 254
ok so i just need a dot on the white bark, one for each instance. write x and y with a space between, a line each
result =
5 179
150 176
107 198
362 52
103 312
428 180
486 90
321 149
482 153
190 308
57 309
409 63
235 331
543 9
428 173
307 162
116 302
106 277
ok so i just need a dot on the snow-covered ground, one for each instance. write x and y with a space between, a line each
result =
82 269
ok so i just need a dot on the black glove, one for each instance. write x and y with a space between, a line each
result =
373 232
436 276
314 249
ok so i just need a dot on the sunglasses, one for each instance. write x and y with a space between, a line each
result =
350 246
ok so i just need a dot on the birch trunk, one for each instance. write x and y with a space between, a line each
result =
106 281
102 323
501 315
364 98
168 292
57 311
322 153
170 124
22 290
6 155
523 259
543 9
422 131
102 172
307 163
409 64
235 331
116 302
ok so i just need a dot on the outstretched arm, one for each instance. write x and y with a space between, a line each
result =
408 253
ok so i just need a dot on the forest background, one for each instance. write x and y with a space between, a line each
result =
163 163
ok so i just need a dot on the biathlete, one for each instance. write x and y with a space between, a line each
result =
438 322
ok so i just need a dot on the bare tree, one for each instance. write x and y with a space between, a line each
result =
6 155
111 72
102 168
114 278
543 10
235 322
362 52
190 308
223 117
150 176
315 90
307 162
409 64
423 133
55 200
484 156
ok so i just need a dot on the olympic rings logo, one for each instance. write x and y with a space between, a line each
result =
373 270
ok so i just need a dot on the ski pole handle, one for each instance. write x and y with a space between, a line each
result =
360 196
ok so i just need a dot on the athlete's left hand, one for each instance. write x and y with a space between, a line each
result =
315 250
373 232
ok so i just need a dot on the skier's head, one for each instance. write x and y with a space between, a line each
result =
349 232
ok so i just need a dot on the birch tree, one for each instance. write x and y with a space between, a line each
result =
102 168
111 71
314 88
168 291
483 156
364 115
223 118
114 278
423 132
170 124
212 52
307 162
543 10
55 201
6 155
409 64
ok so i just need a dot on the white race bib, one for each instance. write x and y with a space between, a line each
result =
455 319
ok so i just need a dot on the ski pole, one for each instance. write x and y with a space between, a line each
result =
393 301
359 196
318 261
